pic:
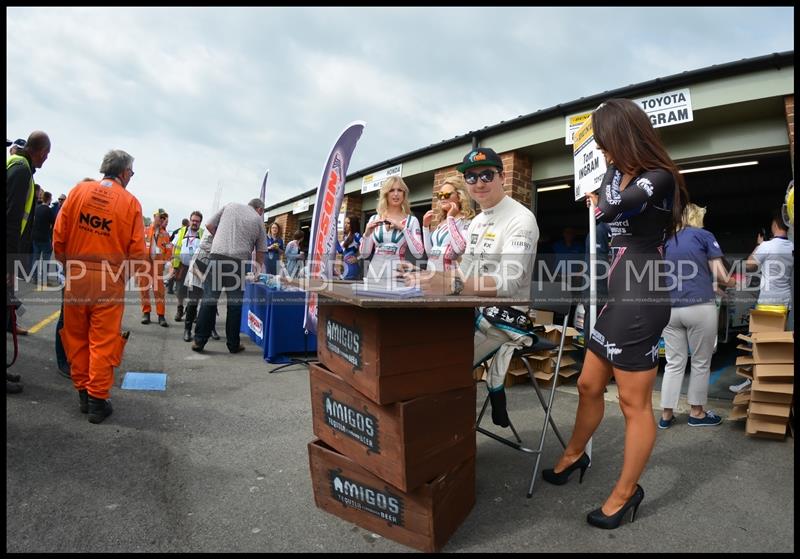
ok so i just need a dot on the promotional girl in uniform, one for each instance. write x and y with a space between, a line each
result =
445 228
642 197
349 248
390 232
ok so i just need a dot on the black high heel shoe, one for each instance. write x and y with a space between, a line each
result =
597 518
562 477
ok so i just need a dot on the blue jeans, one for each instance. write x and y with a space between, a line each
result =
224 274
41 250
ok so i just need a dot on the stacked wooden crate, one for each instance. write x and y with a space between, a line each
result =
768 361
393 406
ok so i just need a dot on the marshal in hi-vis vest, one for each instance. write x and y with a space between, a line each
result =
19 160
176 252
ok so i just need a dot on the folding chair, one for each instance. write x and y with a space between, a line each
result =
558 308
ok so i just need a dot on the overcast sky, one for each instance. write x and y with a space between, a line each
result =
213 97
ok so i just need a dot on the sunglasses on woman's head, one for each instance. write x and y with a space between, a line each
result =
444 195
487 175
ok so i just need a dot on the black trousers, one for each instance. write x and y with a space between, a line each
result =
224 274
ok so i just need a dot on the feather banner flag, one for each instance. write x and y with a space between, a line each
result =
322 244
263 198
264 189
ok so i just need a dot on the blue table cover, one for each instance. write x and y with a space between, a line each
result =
274 321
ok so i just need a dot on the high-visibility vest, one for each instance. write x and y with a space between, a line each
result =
17 160
176 252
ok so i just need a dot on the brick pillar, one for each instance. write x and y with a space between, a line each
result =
442 175
292 225
788 103
288 223
351 204
439 177
519 177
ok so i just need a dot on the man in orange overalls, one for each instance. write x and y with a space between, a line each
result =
98 229
159 248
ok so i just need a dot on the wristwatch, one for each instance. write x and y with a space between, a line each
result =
458 285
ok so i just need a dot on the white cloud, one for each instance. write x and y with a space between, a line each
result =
205 98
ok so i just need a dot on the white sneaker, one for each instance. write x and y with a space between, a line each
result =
740 387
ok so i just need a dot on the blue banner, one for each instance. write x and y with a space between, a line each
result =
322 244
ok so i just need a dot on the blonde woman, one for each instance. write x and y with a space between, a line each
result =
390 232
444 229
697 258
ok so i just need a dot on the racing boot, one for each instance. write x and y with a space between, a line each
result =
83 401
98 409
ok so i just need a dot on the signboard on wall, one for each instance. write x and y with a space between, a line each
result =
374 181
573 122
664 109
300 206
590 164
667 109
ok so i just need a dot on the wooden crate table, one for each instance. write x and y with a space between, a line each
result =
423 519
405 443
393 402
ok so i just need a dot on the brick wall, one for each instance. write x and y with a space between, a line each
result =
288 223
292 225
351 204
439 177
519 172
789 105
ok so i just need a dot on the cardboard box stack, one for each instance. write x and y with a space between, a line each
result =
543 363
768 360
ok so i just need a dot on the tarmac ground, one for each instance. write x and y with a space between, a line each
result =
218 462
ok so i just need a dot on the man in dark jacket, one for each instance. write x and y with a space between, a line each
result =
20 195
42 237
57 206
26 242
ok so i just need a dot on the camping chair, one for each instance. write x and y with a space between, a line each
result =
558 308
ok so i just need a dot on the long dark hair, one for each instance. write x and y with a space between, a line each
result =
624 131
355 227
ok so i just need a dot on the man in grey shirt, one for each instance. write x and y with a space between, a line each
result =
775 258
237 230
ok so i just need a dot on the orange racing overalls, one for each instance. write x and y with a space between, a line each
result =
98 231
159 251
